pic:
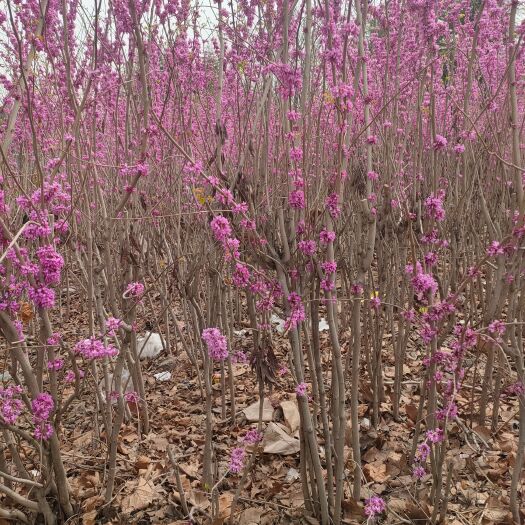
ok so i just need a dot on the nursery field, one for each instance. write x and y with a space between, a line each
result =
262 262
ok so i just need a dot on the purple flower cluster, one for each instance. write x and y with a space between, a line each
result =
113 324
10 405
216 343
51 264
308 247
220 226
297 314
425 286
252 437
94 348
70 375
54 339
222 231
241 275
42 407
516 389
134 289
434 206
332 205
440 142
495 248
301 390
296 154
329 267
497 328
237 459
56 365
433 436
296 199
374 506
42 296
326 236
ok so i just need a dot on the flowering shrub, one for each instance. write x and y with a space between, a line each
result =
216 343
340 190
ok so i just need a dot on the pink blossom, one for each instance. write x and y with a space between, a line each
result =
42 296
434 207
374 506
241 275
301 389
134 289
237 459
216 343
329 266
252 437
231 249
497 327
418 472
240 208
54 339
297 314
296 199
296 154
332 205
495 248
94 348
113 324
55 365
327 285
307 247
42 406
43 431
440 142
220 227
293 116
10 405
357 289
435 436
132 397
326 236
516 389
51 264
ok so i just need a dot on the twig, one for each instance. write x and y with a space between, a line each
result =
179 481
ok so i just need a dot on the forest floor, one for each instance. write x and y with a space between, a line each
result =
146 488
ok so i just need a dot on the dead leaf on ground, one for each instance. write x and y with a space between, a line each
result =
496 512
277 441
252 412
191 469
251 516
376 471
142 462
141 494
198 498
411 412
159 443
291 415
483 432
225 504
85 438
353 509
90 518
93 503
398 505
